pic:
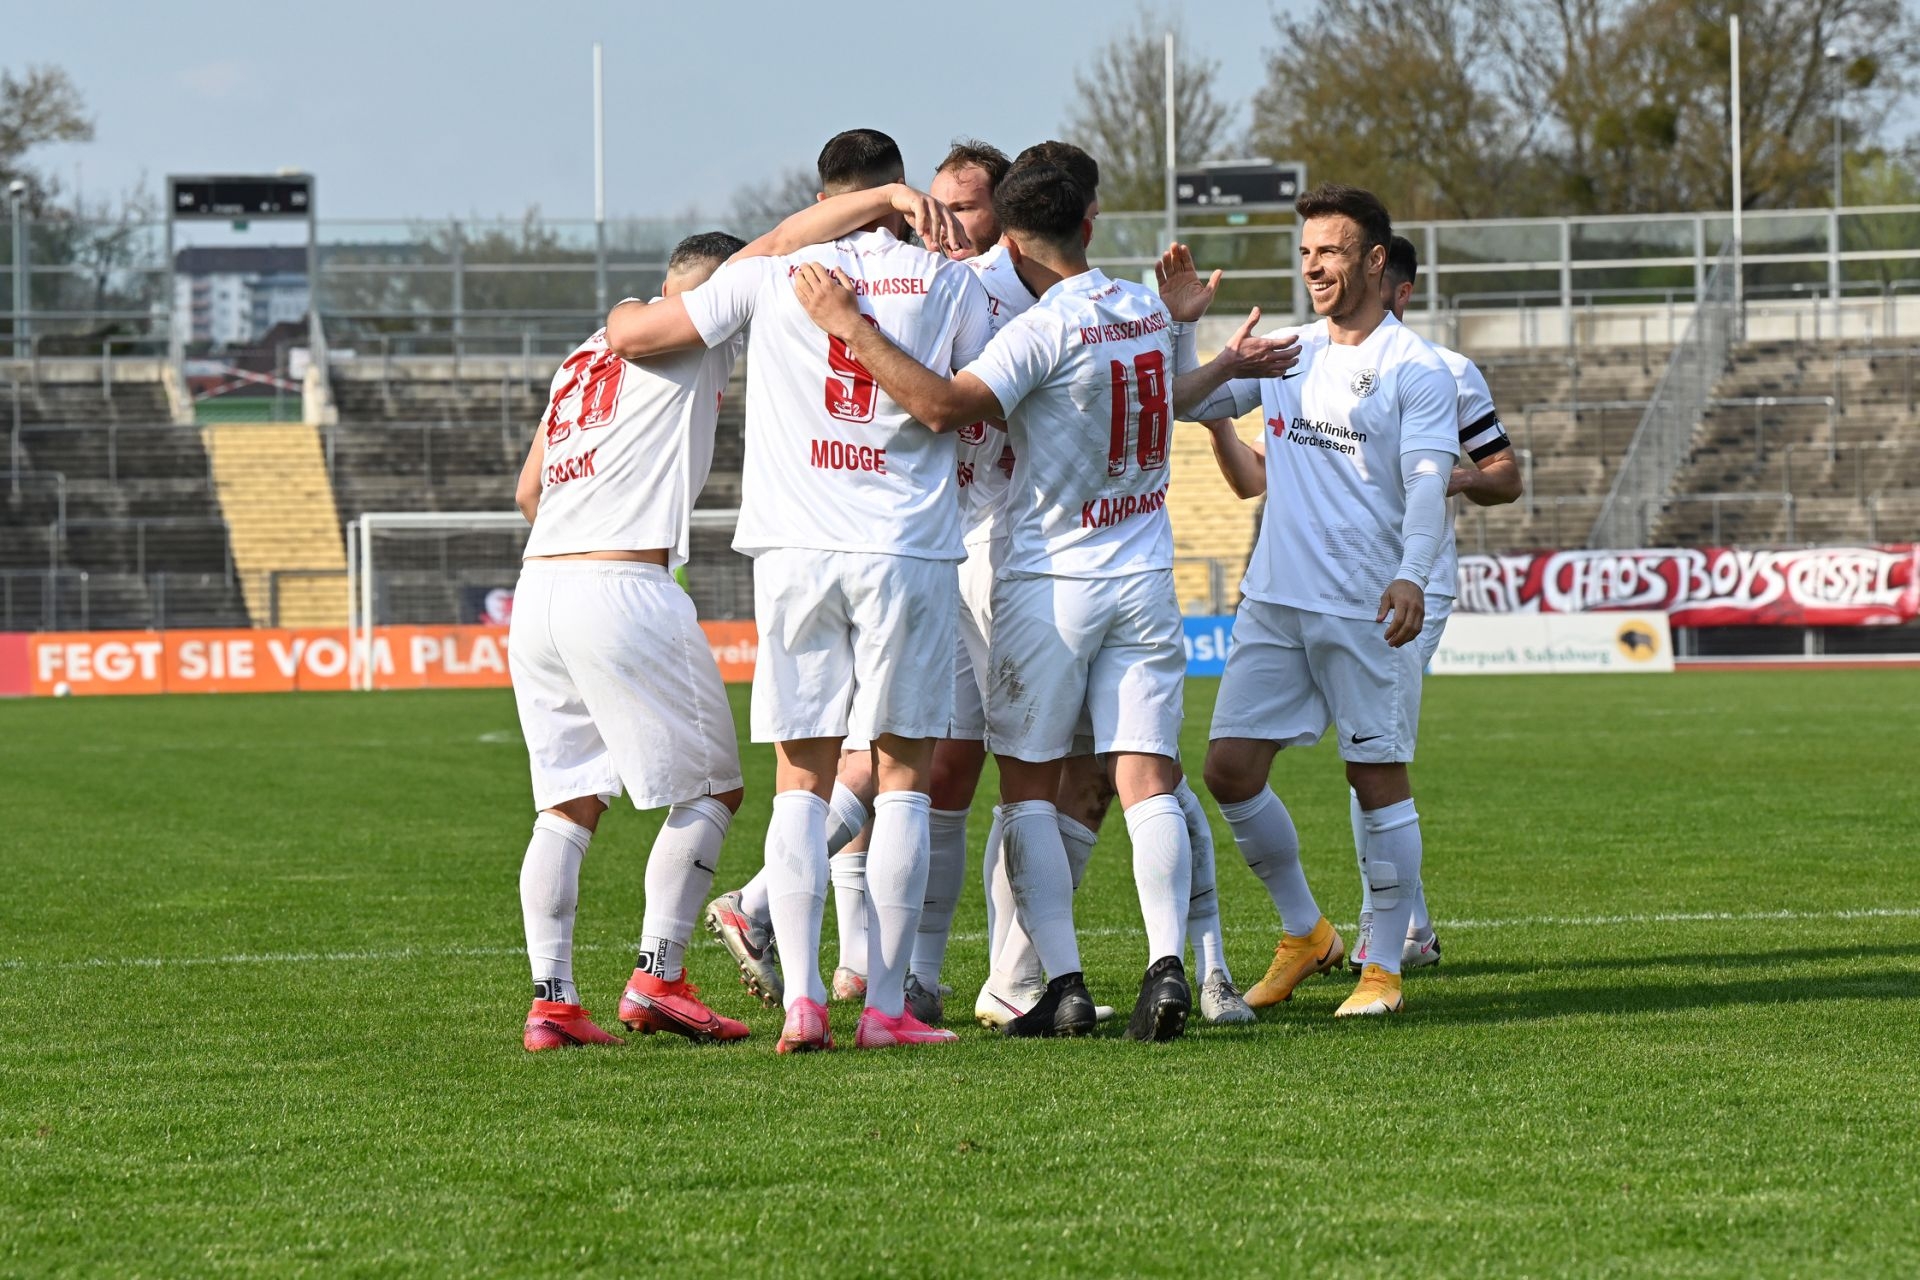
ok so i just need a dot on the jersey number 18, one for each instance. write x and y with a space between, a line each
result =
1150 438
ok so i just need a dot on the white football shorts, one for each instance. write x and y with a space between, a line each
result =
970 657
1291 672
616 686
1439 609
853 644
1068 651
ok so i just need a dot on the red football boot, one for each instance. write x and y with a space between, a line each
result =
806 1029
553 1025
651 1004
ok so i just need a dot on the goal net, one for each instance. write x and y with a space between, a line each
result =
441 568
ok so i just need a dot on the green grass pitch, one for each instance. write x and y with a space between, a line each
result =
261 990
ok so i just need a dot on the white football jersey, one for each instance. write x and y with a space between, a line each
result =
832 463
628 448
1086 378
1337 425
986 456
1481 436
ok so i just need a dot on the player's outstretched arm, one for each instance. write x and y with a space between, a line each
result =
1494 482
638 329
1243 465
843 214
1244 357
940 404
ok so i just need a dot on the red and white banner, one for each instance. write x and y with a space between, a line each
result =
1717 587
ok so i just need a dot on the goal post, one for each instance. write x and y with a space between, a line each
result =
444 568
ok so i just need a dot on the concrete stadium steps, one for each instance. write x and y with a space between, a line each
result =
87 402
278 503
424 467
1801 477
512 402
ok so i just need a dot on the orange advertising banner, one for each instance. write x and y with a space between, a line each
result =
244 660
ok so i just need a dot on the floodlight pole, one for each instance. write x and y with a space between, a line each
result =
1172 176
1739 273
17 195
599 183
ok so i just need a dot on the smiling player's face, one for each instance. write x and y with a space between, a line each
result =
1341 277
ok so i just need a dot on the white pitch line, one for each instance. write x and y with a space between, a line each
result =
462 952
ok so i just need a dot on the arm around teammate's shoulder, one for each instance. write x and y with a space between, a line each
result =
705 316
936 402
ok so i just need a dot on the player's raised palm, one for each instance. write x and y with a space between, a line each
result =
1187 296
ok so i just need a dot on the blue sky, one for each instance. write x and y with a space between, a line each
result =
420 108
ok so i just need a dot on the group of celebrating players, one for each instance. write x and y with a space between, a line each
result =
954 492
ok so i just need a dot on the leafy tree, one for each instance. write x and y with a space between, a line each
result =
39 106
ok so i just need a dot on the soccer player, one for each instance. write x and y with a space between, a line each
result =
616 687
1084 615
1488 475
1364 437
849 508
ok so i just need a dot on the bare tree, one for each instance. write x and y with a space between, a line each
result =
759 207
1118 117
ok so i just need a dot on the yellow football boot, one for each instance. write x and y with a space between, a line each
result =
1295 960
1378 993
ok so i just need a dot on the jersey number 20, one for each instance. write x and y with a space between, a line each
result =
1150 442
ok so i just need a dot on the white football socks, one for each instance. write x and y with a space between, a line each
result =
1016 965
797 889
846 819
896 886
1356 818
946 876
549 897
850 907
1393 873
1263 829
1036 865
1162 872
992 878
1203 901
1421 921
679 876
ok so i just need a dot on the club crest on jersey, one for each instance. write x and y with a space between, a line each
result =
973 433
1364 382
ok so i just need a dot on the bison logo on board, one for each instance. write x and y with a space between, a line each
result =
1638 641
1364 382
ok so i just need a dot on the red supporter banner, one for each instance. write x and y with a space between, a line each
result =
245 660
1716 587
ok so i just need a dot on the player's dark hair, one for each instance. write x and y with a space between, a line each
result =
708 246
859 159
1333 199
1080 166
984 156
1403 261
1041 200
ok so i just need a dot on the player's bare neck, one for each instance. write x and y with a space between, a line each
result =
1356 326
1040 272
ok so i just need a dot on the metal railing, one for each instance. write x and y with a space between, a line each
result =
1661 442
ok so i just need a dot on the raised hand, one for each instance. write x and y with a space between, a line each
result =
828 299
939 230
1181 288
1246 356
